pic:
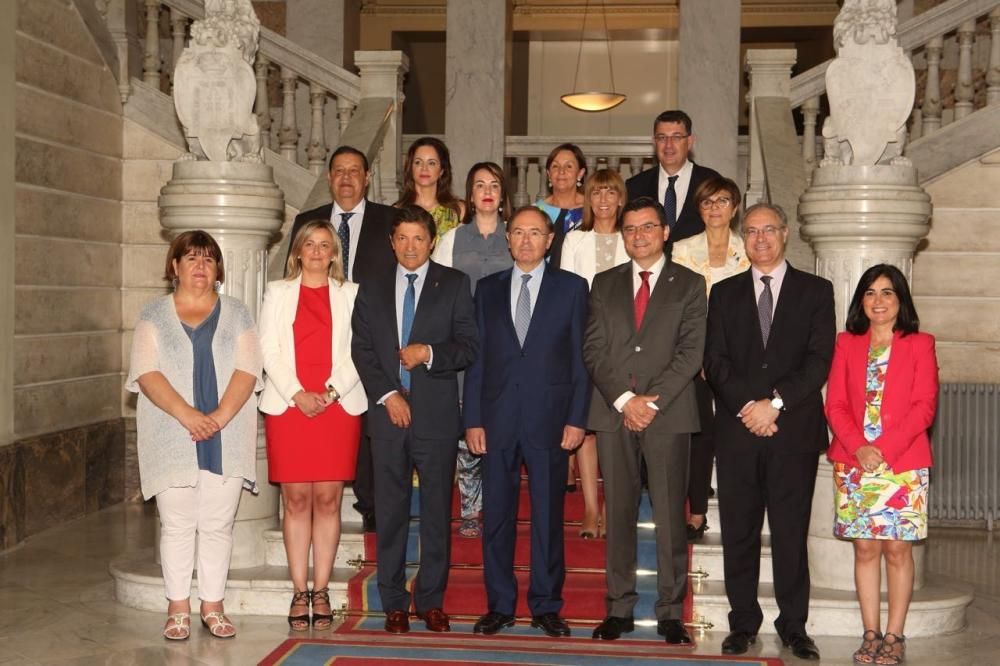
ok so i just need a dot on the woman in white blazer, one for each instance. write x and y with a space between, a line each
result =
596 246
313 400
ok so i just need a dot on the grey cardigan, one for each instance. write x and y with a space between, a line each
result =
167 456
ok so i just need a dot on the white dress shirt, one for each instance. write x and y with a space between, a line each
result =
777 278
354 224
681 185
654 277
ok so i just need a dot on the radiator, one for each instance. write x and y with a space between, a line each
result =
965 479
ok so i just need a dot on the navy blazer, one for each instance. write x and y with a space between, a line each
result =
689 222
795 362
445 320
530 394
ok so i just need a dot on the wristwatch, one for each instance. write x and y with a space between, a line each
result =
332 395
777 402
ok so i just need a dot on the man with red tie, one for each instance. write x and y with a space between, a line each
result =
643 346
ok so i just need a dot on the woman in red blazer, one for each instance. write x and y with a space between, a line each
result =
881 399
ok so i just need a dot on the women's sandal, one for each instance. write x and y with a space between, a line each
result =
218 625
470 528
300 622
871 641
178 627
321 620
892 650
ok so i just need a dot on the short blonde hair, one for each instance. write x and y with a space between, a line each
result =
293 268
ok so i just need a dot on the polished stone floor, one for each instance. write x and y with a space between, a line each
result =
57 606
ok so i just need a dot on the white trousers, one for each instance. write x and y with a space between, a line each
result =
206 512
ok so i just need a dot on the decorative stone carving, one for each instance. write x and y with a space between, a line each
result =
870 87
215 85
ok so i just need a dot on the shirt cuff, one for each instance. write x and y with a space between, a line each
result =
430 353
622 399
381 401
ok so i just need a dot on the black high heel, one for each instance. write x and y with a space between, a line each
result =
696 533
300 622
322 620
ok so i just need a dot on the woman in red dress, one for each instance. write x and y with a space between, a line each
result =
313 400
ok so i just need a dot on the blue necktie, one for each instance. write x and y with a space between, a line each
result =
409 309
522 312
344 233
670 202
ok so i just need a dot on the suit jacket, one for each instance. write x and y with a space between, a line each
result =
579 253
277 341
909 400
661 358
445 320
374 253
689 223
795 363
530 393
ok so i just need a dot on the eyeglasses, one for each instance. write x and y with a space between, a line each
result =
669 138
721 202
753 232
533 234
643 229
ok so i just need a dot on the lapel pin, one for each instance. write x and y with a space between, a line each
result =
670 279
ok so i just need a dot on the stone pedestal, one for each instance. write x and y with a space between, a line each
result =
382 75
478 80
239 204
858 216
708 85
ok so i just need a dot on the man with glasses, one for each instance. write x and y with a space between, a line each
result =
770 341
525 401
674 180
643 346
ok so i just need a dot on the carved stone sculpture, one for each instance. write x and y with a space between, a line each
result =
215 87
870 87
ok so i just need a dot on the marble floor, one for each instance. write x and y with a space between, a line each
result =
56 604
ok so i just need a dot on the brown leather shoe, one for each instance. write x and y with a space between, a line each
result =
397 622
435 619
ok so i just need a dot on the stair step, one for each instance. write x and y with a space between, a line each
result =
352 546
706 556
938 608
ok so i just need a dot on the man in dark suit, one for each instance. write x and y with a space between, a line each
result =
414 330
363 227
674 180
770 341
526 401
643 347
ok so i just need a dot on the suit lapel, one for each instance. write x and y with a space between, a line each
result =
623 297
505 302
748 303
544 303
389 294
428 297
788 302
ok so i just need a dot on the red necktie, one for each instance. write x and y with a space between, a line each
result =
641 299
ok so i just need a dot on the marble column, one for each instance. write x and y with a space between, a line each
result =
477 106
240 205
709 79
8 18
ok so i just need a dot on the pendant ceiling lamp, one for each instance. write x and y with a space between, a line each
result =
593 101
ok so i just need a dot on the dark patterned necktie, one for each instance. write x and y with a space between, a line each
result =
344 233
522 311
670 201
765 306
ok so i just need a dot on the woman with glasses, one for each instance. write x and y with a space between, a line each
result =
565 170
596 246
716 253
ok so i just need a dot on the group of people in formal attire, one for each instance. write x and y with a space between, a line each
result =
645 328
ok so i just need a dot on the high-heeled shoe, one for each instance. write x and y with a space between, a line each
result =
696 533
321 620
299 622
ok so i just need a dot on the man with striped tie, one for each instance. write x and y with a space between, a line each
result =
414 331
526 401
672 183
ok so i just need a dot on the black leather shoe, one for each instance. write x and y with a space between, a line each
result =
673 631
738 642
492 622
613 627
802 646
696 533
368 522
551 624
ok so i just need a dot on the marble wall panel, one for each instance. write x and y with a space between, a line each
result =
133 491
141 224
142 179
63 121
104 480
960 319
143 265
935 274
69 310
54 486
953 361
56 22
141 144
958 229
59 168
133 300
45 67
63 262
11 497
973 185
57 357
50 407
50 213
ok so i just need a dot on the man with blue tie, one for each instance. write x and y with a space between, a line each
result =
414 331
672 183
526 399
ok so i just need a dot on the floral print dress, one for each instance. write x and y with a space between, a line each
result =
882 504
